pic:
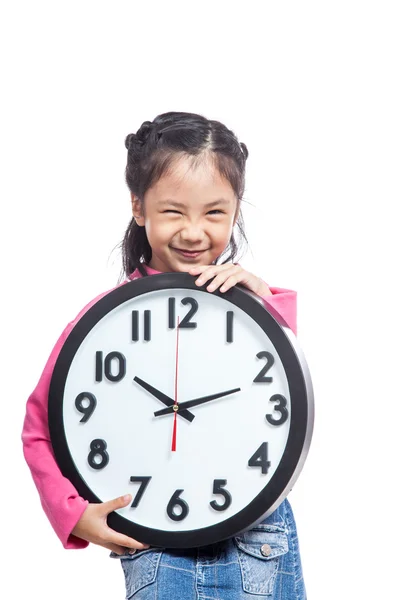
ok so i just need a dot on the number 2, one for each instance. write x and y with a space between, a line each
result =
261 378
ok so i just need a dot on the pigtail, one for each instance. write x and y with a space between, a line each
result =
136 250
237 245
244 150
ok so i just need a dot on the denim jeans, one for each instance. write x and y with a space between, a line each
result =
262 563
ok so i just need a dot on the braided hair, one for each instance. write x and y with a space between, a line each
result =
151 151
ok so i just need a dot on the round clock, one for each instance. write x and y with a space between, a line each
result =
198 404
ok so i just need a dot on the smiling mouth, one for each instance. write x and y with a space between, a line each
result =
189 253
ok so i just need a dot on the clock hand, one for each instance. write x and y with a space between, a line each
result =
163 398
195 402
175 406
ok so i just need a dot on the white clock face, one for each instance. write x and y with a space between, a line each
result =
198 465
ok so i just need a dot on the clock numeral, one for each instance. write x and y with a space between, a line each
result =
185 323
261 378
229 326
113 357
260 458
171 313
85 409
280 408
98 449
144 482
176 501
218 488
146 325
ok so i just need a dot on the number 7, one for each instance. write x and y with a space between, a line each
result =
144 482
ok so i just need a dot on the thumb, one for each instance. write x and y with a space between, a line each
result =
116 503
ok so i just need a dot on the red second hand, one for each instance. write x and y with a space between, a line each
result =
173 448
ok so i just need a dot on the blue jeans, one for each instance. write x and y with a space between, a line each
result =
263 563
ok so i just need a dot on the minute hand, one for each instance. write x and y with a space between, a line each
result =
195 402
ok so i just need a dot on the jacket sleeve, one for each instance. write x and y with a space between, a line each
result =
284 303
59 498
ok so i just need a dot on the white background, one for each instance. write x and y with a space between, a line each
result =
312 88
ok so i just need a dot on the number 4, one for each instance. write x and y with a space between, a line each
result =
260 458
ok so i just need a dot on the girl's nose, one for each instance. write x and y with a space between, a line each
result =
192 233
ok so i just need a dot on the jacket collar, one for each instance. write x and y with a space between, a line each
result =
136 274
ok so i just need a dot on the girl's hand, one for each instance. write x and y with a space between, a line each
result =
226 276
92 527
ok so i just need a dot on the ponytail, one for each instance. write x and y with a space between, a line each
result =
136 250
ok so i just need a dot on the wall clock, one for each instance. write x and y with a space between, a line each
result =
198 404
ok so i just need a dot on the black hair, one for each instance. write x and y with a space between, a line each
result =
151 151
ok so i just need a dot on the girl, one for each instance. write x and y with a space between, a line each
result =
186 178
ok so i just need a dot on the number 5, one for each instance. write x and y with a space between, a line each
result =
219 489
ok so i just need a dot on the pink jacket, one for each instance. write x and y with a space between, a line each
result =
60 500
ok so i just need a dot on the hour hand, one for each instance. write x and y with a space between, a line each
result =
195 402
163 398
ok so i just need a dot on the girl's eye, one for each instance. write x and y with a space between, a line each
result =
170 210
215 212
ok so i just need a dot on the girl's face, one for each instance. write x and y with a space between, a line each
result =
189 215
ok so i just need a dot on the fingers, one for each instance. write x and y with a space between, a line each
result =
209 270
225 276
114 548
115 504
93 527
228 283
109 538
121 550
123 541
219 274
113 537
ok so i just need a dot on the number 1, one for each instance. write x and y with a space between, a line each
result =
229 326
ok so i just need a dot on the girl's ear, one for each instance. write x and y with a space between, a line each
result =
137 210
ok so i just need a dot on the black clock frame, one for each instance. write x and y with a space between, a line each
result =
300 430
